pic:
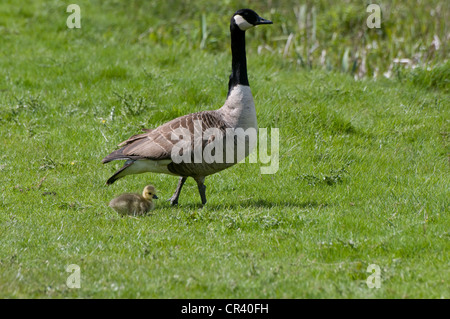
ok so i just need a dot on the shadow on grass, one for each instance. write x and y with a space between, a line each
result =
260 203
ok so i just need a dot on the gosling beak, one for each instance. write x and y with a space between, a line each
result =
155 197
263 21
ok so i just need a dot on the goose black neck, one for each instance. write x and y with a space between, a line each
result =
239 61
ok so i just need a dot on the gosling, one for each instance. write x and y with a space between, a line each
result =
135 204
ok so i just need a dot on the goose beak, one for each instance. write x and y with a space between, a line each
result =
263 21
155 197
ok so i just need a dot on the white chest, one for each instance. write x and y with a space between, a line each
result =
239 108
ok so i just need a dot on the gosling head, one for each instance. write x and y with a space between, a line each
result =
149 193
245 19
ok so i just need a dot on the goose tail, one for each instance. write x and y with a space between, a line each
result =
120 173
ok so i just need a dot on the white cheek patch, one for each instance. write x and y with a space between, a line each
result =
242 23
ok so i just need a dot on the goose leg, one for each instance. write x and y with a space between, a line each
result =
174 199
201 188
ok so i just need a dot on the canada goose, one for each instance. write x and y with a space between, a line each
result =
135 204
152 151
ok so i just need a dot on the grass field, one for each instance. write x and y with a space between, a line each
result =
364 163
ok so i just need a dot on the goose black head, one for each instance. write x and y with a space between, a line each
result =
245 19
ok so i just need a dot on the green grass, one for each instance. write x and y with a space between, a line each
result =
364 165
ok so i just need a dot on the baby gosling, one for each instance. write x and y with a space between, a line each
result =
135 204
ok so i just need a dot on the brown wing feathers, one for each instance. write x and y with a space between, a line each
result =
157 144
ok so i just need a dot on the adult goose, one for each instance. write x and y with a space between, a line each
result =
154 150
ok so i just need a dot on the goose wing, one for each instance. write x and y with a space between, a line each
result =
157 144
